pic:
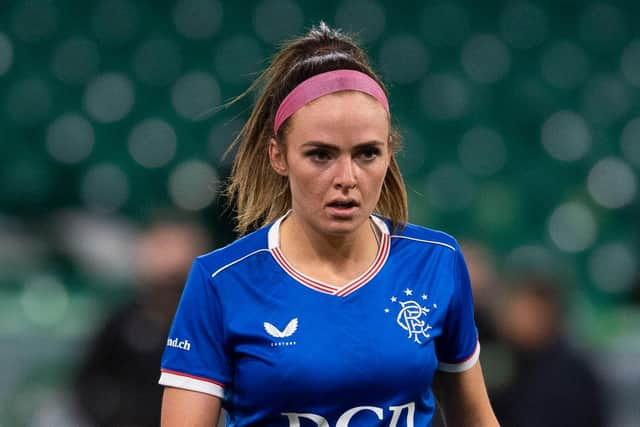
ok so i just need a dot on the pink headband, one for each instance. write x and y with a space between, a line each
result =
324 84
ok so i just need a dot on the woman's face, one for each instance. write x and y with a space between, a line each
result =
337 156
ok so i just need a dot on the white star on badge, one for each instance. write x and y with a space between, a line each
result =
408 292
394 299
424 296
386 310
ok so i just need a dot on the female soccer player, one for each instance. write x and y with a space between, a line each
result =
336 312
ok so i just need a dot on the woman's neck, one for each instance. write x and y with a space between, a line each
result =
335 259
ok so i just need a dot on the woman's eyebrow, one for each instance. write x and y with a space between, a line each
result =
321 144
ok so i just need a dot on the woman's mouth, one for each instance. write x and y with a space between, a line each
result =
342 207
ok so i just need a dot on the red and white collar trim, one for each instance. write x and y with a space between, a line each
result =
358 282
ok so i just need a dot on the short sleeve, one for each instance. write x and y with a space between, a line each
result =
458 348
194 357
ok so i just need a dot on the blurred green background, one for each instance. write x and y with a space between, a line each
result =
521 126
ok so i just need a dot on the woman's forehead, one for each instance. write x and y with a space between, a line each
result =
342 118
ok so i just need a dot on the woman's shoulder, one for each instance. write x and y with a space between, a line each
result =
235 252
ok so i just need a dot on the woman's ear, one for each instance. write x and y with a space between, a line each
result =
278 158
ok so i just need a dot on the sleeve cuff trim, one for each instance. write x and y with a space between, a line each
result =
190 382
462 365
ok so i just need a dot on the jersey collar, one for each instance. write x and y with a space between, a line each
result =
317 285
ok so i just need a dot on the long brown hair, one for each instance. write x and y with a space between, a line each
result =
259 193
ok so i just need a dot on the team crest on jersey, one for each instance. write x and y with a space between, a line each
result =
413 316
287 332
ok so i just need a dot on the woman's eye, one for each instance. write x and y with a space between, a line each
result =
369 153
318 155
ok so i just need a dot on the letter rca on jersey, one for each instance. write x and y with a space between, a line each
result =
400 412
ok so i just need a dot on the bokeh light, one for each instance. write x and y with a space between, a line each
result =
109 97
152 143
613 266
630 142
572 227
70 138
612 183
444 96
44 300
6 54
195 94
566 136
193 185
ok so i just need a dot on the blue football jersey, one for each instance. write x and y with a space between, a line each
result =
283 349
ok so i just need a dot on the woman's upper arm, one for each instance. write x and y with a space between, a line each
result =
463 397
189 408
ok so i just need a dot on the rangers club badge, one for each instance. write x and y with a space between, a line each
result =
413 316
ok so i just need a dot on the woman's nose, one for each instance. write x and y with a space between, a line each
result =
345 174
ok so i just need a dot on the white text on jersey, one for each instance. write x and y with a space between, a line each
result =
345 418
182 345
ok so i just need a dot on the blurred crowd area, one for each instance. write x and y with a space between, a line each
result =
521 127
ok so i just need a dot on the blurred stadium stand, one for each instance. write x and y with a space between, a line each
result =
521 123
